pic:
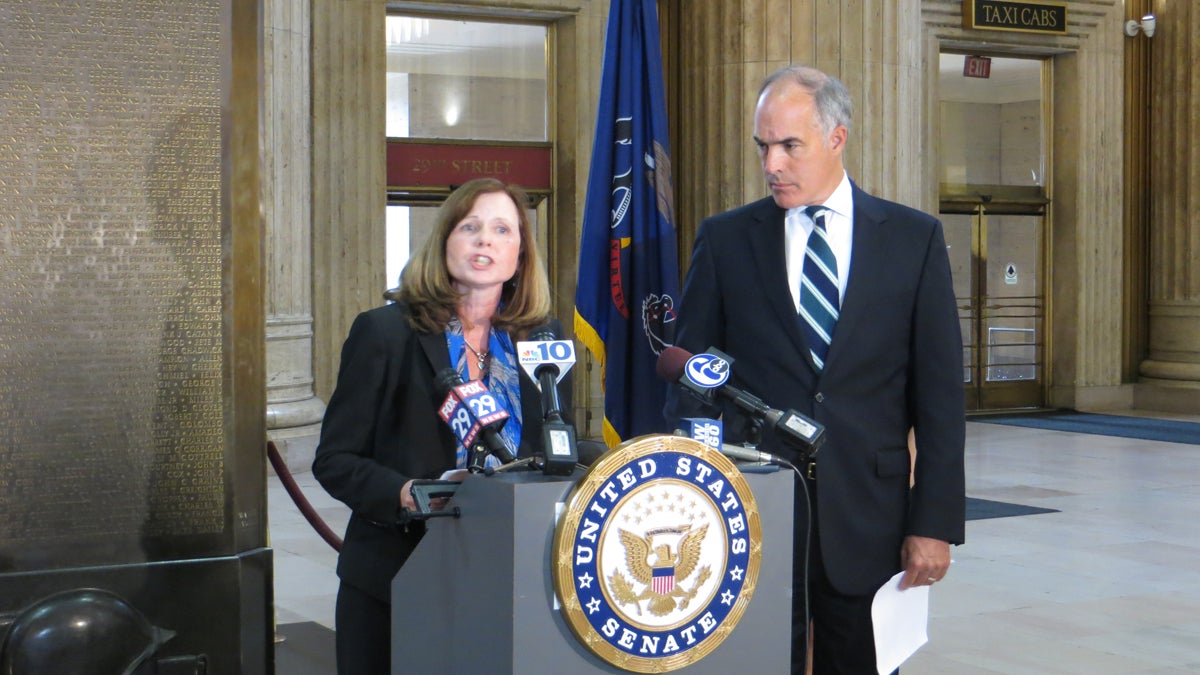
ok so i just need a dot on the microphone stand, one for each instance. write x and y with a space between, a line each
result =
518 464
478 462
753 431
477 459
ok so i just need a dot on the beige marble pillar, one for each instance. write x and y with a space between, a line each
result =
1086 245
1171 375
293 411
349 178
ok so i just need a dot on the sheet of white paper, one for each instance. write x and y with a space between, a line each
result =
901 619
454 474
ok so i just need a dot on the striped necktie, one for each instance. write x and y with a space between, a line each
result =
819 288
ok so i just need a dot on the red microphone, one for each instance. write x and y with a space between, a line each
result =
472 413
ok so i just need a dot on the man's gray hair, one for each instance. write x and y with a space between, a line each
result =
834 107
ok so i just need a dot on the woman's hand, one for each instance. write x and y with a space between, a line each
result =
406 497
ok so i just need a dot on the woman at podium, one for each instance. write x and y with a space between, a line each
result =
475 288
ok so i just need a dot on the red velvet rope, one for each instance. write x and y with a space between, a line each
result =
297 495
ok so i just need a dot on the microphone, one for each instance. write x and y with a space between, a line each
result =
473 414
750 454
707 375
546 369
546 359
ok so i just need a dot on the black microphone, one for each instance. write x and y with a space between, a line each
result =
707 374
461 409
546 375
558 437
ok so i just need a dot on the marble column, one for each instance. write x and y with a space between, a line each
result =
1086 220
293 411
1170 376
349 173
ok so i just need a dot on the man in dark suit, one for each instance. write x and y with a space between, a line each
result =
889 361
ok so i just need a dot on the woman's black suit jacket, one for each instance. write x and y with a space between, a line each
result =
381 428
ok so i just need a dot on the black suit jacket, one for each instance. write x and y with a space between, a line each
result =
381 428
895 362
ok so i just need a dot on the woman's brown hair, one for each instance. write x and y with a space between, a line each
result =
427 289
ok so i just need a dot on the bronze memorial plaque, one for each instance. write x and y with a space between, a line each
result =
111 327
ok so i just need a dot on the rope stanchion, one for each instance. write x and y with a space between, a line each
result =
297 495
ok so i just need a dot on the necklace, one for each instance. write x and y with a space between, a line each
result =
480 357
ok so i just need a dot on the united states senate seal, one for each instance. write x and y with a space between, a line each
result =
657 553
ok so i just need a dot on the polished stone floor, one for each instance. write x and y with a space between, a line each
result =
1110 583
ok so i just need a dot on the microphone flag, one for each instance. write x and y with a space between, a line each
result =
468 408
706 430
458 416
628 263
534 355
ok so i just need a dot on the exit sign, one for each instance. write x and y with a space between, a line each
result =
977 66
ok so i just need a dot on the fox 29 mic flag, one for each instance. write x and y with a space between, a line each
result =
628 265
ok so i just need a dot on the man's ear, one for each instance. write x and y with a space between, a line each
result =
837 139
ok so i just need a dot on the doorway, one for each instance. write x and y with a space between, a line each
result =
997 255
993 202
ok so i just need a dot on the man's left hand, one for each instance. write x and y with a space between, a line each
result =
925 561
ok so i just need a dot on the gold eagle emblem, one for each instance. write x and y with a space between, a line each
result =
684 560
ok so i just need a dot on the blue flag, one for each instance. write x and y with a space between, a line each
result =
628 265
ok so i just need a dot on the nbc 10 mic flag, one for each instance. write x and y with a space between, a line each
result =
628 264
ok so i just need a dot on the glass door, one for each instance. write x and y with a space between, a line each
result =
996 254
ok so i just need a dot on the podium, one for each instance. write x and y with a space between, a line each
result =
477 595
